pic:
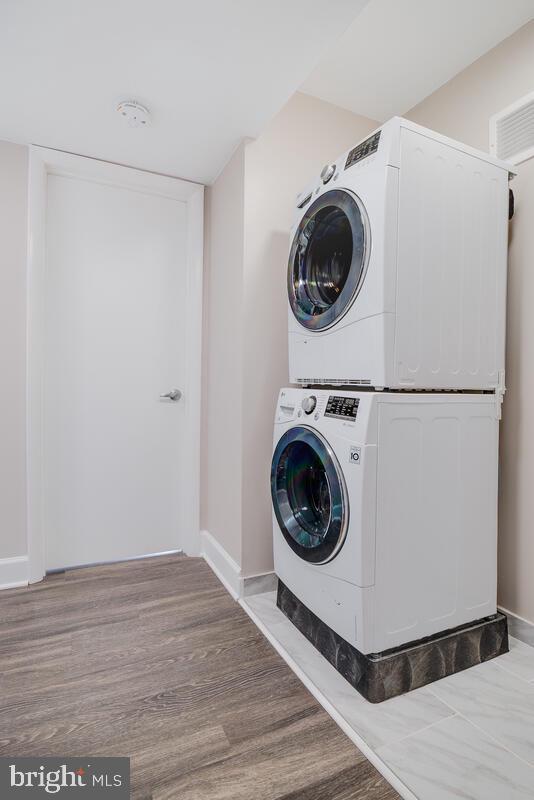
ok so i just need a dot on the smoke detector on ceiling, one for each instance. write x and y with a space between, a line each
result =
136 115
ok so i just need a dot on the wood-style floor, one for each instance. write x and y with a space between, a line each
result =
154 660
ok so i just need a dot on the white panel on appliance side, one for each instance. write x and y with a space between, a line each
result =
451 268
436 517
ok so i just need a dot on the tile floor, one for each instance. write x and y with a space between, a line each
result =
468 736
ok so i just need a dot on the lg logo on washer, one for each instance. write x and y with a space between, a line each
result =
355 455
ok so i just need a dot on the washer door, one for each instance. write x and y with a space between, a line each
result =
328 259
309 495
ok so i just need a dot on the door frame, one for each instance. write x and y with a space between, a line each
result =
44 162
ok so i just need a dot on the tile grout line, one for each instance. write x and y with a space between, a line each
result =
496 741
485 733
372 756
508 671
425 728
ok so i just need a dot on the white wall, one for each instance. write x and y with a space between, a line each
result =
306 134
221 463
13 237
462 109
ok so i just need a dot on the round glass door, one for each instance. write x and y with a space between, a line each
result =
309 496
328 259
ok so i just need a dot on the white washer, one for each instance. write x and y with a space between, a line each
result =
385 510
397 266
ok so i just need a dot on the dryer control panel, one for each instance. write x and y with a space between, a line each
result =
342 407
363 150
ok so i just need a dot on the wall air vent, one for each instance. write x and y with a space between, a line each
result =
512 131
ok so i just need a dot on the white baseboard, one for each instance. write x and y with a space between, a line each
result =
258 584
229 572
14 572
513 614
222 564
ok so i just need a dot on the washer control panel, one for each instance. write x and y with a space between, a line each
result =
342 407
363 150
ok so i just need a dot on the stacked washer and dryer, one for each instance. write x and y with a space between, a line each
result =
385 460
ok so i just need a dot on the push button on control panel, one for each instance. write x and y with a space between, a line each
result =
342 407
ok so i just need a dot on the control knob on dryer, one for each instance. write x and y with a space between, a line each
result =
309 403
327 172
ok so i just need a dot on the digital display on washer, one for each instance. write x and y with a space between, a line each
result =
342 407
363 150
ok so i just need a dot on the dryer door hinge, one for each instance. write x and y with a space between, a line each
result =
501 388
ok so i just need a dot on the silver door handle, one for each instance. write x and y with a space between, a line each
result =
174 394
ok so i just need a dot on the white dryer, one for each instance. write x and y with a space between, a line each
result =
397 266
385 510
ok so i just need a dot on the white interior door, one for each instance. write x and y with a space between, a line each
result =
115 334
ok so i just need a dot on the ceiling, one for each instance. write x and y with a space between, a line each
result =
397 52
210 71
215 71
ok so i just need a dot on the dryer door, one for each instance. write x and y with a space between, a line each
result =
328 259
309 495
